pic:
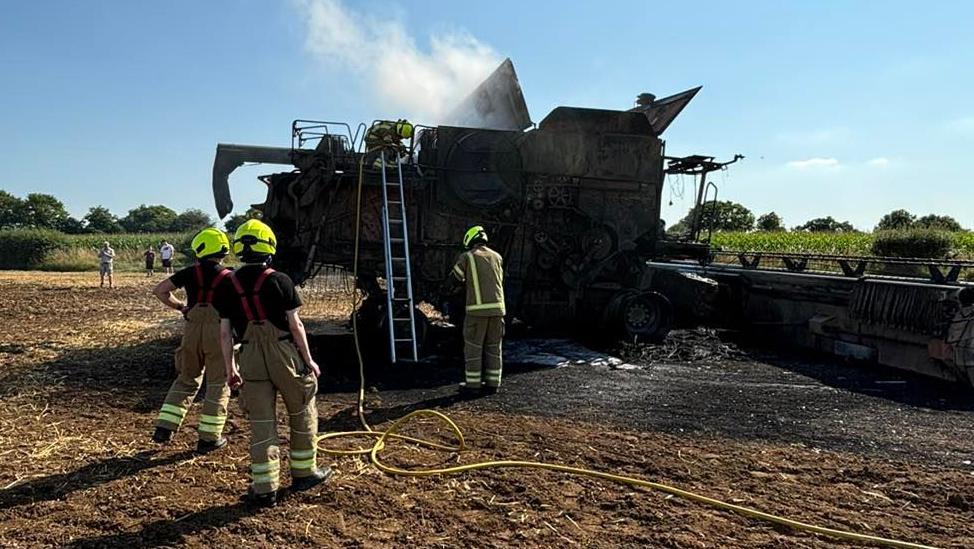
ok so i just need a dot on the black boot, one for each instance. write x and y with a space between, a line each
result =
319 475
162 435
490 390
254 499
466 391
207 446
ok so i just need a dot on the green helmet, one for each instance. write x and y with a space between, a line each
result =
404 129
474 233
210 242
255 237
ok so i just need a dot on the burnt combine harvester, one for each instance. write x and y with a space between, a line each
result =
574 207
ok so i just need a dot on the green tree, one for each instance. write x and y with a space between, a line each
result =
11 211
896 220
72 225
826 225
100 220
722 215
149 219
234 221
942 222
192 220
43 211
770 222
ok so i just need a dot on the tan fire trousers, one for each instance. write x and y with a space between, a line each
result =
270 364
199 355
482 337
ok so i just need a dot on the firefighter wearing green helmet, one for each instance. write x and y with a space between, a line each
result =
386 140
481 272
388 133
258 309
200 355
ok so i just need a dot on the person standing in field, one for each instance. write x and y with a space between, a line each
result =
150 261
106 258
166 253
200 354
259 309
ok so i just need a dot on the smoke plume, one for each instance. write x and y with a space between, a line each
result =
421 83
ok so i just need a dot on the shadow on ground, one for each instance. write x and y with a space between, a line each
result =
56 487
169 532
873 380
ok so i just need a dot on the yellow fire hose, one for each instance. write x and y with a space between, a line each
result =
393 433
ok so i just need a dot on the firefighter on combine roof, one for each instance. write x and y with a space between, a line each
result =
481 271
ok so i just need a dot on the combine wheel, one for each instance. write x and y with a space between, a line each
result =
640 316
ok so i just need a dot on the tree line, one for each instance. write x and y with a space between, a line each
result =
730 216
44 211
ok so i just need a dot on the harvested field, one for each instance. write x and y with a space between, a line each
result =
82 371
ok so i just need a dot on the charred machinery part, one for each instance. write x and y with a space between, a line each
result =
913 325
944 271
697 165
640 316
572 205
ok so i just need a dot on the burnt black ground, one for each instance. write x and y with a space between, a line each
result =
757 394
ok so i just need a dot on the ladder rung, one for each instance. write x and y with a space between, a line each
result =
399 259
402 340
395 201
400 278
400 299
402 320
397 240
395 221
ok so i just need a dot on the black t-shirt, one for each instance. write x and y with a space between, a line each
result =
277 295
186 278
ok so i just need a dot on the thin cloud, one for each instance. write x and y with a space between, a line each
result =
423 83
879 162
814 164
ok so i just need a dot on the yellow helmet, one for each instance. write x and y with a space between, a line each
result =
474 233
210 242
404 129
254 236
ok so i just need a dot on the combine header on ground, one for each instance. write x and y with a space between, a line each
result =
574 207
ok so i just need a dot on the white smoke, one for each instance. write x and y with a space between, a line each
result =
421 84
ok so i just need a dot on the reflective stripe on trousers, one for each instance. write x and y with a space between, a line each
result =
270 366
198 357
482 337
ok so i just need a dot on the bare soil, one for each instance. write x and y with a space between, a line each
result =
83 370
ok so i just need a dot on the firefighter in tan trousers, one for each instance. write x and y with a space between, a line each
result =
481 270
199 356
259 309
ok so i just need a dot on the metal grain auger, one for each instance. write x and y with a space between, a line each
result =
574 207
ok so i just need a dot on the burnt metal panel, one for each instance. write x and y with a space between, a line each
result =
497 103
914 307
662 112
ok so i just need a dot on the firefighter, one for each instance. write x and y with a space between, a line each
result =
259 309
386 138
200 354
387 133
481 271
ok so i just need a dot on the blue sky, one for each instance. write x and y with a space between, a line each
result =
848 109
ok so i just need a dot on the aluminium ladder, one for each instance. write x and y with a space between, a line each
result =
399 283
